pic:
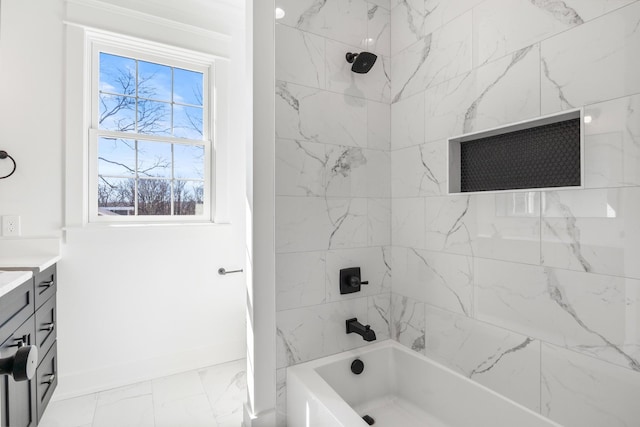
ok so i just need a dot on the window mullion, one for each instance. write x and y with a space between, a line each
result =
135 186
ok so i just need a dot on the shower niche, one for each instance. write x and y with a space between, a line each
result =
545 152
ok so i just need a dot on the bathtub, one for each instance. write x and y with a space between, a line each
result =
398 388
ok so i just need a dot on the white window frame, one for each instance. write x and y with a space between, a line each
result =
214 127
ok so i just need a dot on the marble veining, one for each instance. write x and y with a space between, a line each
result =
493 360
444 282
472 111
560 11
408 322
556 293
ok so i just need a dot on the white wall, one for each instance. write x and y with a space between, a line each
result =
134 303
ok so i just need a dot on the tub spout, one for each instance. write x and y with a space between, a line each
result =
364 331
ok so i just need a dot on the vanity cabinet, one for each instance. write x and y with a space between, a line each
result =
28 317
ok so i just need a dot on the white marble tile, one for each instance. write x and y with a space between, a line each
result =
344 20
300 279
122 393
407 22
407 222
612 143
582 391
346 171
311 332
281 397
442 280
506 91
407 324
300 168
495 94
501 27
382 3
192 411
348 223
592 230
226 388
441 12
302 224
602 50
74 412
450 224
374 85
176 387
378 125
320 116
407 122
300 57
379 222
434 59
507 226
374 266
593 314
590 9
501 226
380 315
379 30
419 170
133 411
355 172
504 361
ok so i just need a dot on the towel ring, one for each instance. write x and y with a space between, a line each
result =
4 155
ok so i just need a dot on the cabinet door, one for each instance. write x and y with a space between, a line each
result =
18 399
47 379
46 285
46 326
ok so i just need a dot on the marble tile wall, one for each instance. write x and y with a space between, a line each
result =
533 294
333 177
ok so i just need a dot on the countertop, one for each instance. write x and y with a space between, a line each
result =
9 280
35 263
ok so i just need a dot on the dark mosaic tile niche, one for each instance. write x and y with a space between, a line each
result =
544 156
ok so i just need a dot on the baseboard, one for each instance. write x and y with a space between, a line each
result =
81 383
264 419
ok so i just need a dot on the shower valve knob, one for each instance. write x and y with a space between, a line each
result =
350 280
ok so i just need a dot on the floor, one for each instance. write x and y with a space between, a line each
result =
210 397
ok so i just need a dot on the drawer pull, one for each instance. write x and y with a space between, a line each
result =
51 379
47 284
48 327
20 342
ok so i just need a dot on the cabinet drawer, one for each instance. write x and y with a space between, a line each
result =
46 283
15 308
47 379
18 398
46 325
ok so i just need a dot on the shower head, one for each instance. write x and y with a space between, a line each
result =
362 62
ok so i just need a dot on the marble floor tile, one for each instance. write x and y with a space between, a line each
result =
134 411
225 386
76 412
193 411
209 397
176 387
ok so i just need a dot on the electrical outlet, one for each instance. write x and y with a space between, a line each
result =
11 225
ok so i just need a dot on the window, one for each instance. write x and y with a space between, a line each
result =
150 143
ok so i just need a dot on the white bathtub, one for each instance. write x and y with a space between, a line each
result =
398 388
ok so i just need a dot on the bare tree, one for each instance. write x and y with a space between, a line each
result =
153 195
